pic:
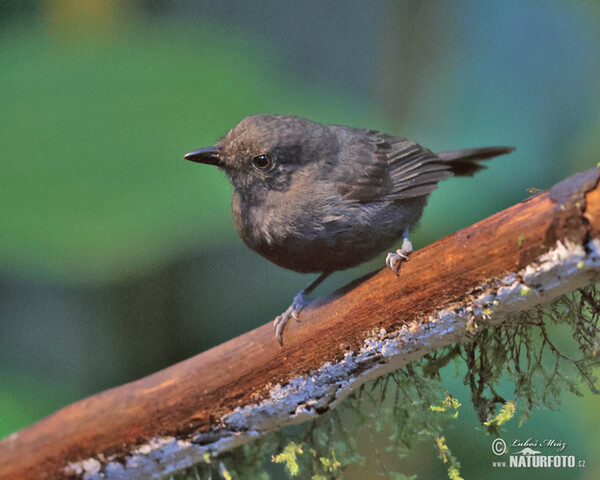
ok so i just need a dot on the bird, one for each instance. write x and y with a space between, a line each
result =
318 198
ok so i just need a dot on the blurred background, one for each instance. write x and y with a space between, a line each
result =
118 259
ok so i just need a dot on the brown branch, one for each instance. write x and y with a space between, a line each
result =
512 261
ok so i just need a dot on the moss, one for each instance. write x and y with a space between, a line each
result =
411 406
504 415
447 457
289 457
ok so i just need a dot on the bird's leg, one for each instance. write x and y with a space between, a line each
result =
393 260
293 311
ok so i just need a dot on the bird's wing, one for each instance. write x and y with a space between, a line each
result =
382 167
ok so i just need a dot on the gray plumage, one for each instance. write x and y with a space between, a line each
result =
329 197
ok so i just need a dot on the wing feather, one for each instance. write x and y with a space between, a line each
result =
389 168
374 166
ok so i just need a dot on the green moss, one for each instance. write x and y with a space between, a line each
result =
411 406
505 414
289 457
447 457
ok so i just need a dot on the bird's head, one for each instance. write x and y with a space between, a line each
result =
263 152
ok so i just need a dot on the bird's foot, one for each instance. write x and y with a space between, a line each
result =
293 311
394 260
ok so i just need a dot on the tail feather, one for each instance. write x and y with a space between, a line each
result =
464 162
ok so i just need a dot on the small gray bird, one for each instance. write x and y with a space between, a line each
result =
319 198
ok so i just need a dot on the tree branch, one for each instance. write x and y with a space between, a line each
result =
514 260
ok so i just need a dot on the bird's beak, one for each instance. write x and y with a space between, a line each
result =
208 155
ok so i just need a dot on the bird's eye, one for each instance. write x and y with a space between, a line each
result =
263 162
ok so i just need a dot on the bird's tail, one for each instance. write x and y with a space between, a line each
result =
464 162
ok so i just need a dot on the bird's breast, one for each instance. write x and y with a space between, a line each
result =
317 236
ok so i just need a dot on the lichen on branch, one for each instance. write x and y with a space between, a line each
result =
537 355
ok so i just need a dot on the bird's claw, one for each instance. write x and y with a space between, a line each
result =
394 260
293 311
